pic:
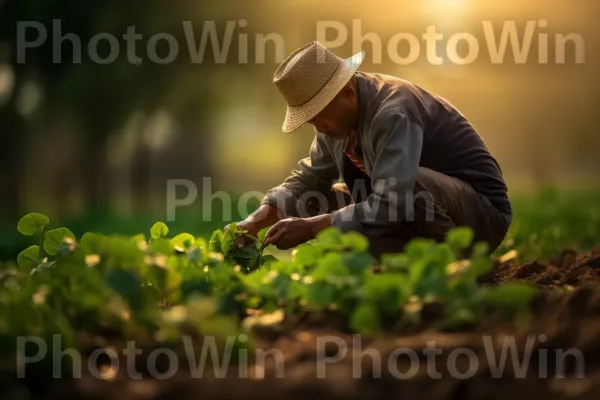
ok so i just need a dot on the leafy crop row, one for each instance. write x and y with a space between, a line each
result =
161 287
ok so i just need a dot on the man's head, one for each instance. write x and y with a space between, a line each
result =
320 88
339 117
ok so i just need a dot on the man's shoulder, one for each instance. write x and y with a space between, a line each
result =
387 81
388 95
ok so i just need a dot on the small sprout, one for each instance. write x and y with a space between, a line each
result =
91 260
159 230
205 269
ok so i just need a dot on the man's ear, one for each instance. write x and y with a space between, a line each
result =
348 91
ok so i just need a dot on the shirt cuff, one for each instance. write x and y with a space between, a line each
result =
283 200
345 219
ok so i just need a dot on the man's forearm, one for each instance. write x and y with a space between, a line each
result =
319 223
266 215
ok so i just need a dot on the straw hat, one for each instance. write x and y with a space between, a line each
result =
309 78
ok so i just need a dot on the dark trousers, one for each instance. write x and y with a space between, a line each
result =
440 203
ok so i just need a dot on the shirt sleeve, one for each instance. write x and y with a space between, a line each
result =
397 142
315 173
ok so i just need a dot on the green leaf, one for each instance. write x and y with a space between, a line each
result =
395 262
200 242
268 259
228 239
365 319
263 233
89 239
388 291
358 263
183 241
162 245
460 237
320 294
214 245
29 258
140 237
480 249
307 254
159 230
418 249
355 241
330 237
32 223
53 239
330 265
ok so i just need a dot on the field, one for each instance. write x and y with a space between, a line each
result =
325 319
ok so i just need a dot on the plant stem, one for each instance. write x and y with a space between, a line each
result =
260 253
42 252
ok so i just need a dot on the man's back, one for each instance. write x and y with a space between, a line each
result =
451 145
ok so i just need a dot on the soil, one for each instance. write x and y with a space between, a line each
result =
559 351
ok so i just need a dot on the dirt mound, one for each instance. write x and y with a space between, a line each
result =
567 268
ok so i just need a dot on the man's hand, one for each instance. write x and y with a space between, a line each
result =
243 240
291 232
266 215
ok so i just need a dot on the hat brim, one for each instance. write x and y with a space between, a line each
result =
296 117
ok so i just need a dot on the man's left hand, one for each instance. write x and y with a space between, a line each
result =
291 232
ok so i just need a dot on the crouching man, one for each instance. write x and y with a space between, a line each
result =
411 164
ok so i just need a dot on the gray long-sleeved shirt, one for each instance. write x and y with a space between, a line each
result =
401 126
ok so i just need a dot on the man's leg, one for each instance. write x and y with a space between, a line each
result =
439 204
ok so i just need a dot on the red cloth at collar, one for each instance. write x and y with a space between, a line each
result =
350 150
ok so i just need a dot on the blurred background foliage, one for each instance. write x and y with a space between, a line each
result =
94 146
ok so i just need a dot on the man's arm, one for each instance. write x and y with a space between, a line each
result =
398 143
316 173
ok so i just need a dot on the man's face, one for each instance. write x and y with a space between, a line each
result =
339 117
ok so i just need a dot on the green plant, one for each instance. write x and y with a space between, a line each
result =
114 281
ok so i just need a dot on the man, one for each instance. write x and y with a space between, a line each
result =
414 166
